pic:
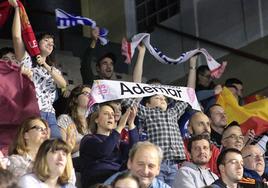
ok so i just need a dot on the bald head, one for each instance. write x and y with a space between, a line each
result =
199 124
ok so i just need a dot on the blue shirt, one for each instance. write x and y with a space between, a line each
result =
155 184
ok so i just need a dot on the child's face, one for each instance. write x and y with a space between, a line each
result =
158 101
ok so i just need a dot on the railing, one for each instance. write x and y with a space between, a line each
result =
217 45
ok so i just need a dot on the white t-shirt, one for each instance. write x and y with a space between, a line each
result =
45 86
31 181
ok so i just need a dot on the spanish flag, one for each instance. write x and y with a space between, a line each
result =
250 116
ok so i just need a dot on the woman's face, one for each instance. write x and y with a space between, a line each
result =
37 133
83 98
46 45
105 119
56 162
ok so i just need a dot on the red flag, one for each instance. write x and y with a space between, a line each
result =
27 32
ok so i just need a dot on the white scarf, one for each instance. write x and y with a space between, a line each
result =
128 49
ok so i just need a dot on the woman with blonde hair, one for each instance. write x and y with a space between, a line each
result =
52 167
31 134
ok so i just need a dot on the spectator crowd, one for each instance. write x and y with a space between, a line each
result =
153 142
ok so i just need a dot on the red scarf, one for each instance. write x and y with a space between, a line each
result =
27 32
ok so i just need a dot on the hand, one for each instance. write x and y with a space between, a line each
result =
13 3
249 137
131 117
71 136
95 33
123 121
141 48
26 71
40 60
66 93
3 161
193 61
218 89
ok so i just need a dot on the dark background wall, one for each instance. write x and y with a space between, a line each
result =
42 16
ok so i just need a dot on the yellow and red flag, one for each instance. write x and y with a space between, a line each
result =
250 116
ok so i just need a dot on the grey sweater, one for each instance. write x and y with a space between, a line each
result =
192 176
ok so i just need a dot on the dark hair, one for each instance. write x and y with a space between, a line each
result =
50 60
146 100
230 125
196 138
126 175
6 50
222 156
109 55
154 81
208 113
7 179
202 69
100 185
229 82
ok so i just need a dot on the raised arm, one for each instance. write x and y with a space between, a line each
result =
138 69
16 32
86 71
191 82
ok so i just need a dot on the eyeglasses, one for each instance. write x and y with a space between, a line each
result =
235 137
85 93
254 156
39 129
234 162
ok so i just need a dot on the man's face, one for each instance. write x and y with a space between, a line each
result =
158 101
239 89
106 68
9 57
145 165
200 152
232 169
254 159
218 116
233 138
200 124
